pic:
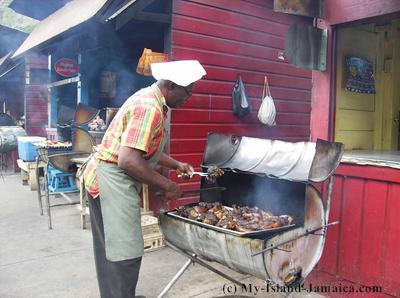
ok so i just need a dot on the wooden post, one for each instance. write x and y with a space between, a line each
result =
145 193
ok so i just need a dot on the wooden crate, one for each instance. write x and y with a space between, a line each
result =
153 241
150 225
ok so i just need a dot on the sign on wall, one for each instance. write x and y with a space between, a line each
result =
66 67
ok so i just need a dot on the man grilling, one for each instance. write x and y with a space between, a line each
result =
131 147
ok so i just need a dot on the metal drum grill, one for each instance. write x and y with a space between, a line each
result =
62 157
274 176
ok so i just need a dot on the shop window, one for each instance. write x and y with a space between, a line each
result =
367 88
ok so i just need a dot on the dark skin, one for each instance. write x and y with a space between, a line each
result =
132 160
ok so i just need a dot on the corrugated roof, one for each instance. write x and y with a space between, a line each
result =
69 16
3 59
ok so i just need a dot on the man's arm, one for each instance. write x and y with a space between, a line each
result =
132 162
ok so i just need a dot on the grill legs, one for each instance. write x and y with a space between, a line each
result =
175 278
192 259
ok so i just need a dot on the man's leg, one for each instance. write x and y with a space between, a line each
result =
124 276
116 279
96 220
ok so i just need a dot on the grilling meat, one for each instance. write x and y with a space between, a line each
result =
213 173
241 219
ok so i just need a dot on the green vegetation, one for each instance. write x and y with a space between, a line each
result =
9 18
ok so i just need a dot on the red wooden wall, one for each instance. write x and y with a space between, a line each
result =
364 248
231 38
36 99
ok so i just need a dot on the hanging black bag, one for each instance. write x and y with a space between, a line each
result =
240 103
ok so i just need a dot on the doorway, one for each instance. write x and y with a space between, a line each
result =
367 89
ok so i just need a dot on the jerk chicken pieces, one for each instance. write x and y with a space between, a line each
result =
241 219
213 173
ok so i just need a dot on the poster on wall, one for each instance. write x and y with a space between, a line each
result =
108 84
359 75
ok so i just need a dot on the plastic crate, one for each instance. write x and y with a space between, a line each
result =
60 181
26 148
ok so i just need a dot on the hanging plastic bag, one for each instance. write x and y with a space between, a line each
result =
148 57
267 112
240 103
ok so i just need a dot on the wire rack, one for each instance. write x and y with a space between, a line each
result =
45 152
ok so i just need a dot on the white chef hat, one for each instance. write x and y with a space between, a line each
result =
182 73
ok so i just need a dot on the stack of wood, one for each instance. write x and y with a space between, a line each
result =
152 236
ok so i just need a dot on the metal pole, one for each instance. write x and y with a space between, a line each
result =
39 192
47 195
328 199
308 232
175 278
195 259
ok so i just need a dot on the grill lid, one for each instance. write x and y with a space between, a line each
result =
301 161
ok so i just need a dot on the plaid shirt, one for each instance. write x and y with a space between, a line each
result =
139 124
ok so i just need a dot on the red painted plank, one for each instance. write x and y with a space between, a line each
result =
250 9
343 11
201 131
391 244
350 229
36 122
253 77
41 109
36 116
36 101
238 62
37 131
35 87
263 3
372 232
210 116
35 61
329 262
226 17
194 159
369 172
196 41
224 88
187 146
222 102
189 24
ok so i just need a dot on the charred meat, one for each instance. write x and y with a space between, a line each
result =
213 173
241 219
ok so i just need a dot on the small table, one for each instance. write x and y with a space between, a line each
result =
29 172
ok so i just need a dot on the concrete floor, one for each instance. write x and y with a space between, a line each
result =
37 262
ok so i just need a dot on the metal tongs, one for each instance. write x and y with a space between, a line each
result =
183 175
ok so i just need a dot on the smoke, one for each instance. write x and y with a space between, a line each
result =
279 196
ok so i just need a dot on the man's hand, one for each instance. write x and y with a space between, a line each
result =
185 169
173 191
